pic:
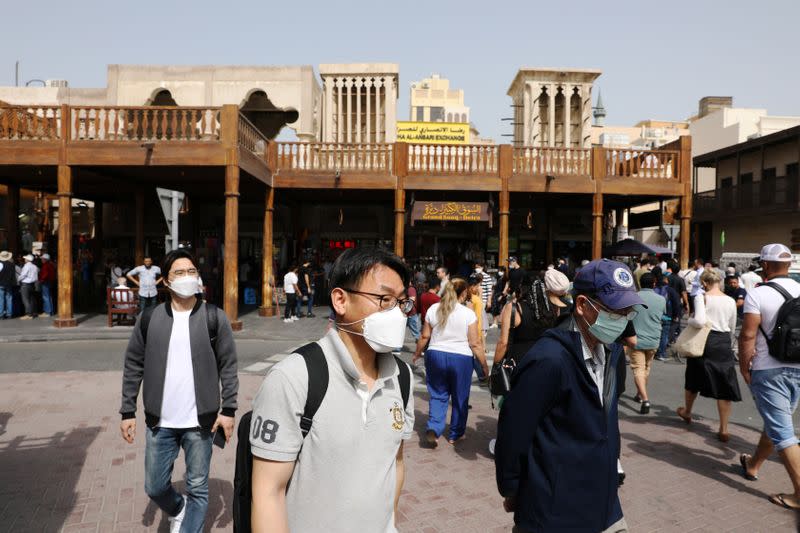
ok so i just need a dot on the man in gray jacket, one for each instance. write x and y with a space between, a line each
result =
182 350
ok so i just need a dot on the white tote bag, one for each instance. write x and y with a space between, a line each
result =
692 341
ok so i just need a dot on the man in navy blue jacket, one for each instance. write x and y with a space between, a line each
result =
558 435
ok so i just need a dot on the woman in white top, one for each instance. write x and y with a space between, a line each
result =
714 374
452 330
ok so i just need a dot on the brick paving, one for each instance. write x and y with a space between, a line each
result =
64 467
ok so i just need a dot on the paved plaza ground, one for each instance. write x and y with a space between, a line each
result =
64 466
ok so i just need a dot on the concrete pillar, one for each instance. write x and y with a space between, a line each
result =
535 118
348 83
231 259
391 111
567 118
586 116
339 115
526 116
65 268
328 108
378 109
369 109
267 308
359 120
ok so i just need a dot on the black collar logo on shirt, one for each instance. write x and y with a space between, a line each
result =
397 416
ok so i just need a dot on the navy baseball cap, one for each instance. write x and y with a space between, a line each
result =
611 281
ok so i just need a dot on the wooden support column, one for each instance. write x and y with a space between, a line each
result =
505 167
64 266
138 247
228 134
65 318
401 171
598 173
12 220
266 308
686 199
98 234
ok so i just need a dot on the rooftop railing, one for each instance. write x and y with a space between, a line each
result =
30 123
553 161
123 123
333 157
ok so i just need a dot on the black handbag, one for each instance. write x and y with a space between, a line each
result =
500 376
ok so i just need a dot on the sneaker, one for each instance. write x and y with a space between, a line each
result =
25 317
645 409
176 521
662 358
287 321
492 444
311 315
295 318
620 479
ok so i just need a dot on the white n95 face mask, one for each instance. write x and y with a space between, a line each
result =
186 286
384 331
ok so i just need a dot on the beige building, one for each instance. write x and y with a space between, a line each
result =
432 100
553 107
359 102
646 134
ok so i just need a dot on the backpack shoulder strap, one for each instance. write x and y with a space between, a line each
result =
404 379
317 383
212 322
786 296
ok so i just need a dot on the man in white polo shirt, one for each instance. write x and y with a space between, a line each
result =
775 384
347 473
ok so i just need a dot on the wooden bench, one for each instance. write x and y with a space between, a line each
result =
122 305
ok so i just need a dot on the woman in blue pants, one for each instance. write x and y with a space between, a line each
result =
452 329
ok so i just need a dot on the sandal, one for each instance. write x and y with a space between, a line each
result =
779 499
743 461
681 411
723 437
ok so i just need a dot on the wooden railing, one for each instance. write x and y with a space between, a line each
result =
452 159
249 137
335 157
553 161
114 123
30 123
626 163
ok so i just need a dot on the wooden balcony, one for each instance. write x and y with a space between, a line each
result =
771 196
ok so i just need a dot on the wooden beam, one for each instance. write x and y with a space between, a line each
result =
65 268
401 171
231 260
599 174
686 200
267 308
347 180
505 168
140 153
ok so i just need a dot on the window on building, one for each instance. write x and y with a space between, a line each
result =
746 190
437 114
420 114
726 192
768 189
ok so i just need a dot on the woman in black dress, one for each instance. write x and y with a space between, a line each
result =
714 374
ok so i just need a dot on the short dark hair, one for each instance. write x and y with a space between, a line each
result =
433 281
446 271
645 261
174 255
478 264
647 281
351 267
474 279
673 265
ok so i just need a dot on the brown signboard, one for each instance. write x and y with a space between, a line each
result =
451 211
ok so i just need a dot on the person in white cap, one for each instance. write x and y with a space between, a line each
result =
557 285
47 281
8 279
28 277
774 382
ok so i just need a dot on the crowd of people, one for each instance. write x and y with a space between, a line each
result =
27 284
329 421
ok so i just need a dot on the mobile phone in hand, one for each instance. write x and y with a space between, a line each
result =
219 438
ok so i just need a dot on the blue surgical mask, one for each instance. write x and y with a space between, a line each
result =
608 326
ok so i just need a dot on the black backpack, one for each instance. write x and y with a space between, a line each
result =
785 342
317 387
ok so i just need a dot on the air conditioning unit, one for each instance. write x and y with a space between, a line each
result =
56 83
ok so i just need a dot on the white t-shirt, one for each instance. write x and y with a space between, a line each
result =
750 280
289 281
452 338
766 301
179 407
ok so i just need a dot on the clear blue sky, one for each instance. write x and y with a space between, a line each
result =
658 59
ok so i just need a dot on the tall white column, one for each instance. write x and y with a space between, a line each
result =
526 117
391 111
349 84
328 137
567 112
339 114
551 108
586 116
378 137
369 107
359 82
536 122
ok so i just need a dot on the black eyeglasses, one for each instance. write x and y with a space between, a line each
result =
387 302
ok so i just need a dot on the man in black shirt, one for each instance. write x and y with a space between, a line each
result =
515 275
738 294
306 294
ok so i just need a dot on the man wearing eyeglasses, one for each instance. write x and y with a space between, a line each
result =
346 474
183 355
558 434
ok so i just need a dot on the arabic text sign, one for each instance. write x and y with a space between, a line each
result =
451 211
433 132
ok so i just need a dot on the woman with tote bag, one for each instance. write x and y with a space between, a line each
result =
714 374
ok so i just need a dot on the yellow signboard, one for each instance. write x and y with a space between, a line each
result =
433 132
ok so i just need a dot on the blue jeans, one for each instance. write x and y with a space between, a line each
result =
6 302
662 345
147 301
162 447
448 375
413 325
310 306
47 298
776 392
299 303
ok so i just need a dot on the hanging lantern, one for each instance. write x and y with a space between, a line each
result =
529 219
184 205
341 216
